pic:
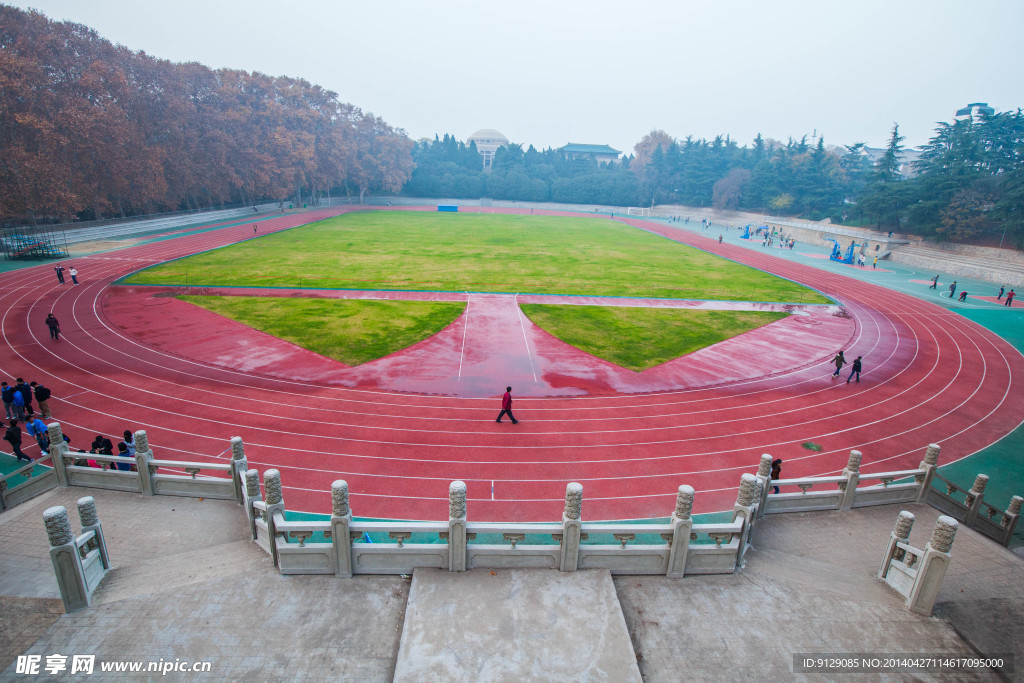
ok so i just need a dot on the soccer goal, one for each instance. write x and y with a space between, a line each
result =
637 211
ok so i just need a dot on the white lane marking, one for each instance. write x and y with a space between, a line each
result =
465 329
529 354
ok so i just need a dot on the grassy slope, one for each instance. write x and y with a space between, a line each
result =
477 252
352 332
656 335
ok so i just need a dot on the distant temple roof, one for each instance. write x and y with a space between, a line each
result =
975 109
575 148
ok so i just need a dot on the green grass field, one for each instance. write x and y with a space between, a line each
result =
657 334
477 252
352 332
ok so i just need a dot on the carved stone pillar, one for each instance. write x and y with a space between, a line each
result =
67 563
682 527
899 534
143 458
929 465
341 522
457 526
571 524
239 464
933 567
852 474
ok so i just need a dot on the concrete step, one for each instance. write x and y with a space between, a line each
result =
170 572
514 625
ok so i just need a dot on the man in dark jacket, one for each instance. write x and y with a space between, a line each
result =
42 395
506 406
26 393
13 437
855 370
7 394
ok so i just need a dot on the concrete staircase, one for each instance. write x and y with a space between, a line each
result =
514 625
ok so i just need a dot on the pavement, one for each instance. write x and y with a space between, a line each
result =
188 585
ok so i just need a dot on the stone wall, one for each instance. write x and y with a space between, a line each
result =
989 272
992 253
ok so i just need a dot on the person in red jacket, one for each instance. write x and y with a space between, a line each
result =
506 406
1009 299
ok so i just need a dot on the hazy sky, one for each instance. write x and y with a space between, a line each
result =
597 71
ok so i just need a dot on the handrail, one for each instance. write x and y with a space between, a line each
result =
899 474
807 480
182 464
22 469
513 527
384 527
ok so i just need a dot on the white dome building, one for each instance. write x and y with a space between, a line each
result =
487 142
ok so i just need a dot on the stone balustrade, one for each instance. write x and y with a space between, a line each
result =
915 573
79 562
346 546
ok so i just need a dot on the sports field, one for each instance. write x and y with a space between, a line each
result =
478 253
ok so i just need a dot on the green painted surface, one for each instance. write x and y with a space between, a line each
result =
480 253
352 332
656 335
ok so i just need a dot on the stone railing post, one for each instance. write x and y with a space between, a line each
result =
682 527
974 498
143 458
457 526
930 464
239 465
58 447
275 506
746 501
852 474
571 522
933 567
90 520
252 494
341 522
899 534
764 475
1009 522
67 563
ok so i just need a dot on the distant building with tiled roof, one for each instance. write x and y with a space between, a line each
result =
487 142
974 111
599 153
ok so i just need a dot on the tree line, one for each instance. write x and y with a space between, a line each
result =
89 129
968 184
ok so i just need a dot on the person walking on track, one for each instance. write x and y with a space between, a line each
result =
506 406
855 370
13 436
60 273
1009 298
840 361
51 322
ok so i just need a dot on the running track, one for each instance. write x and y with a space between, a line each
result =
932 376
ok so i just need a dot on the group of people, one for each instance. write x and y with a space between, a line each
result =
18 410
863 260
840 360
101 445
963 293
73 272
18 399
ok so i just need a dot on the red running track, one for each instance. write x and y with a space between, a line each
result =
930 376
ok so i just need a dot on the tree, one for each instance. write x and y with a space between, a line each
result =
728 190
